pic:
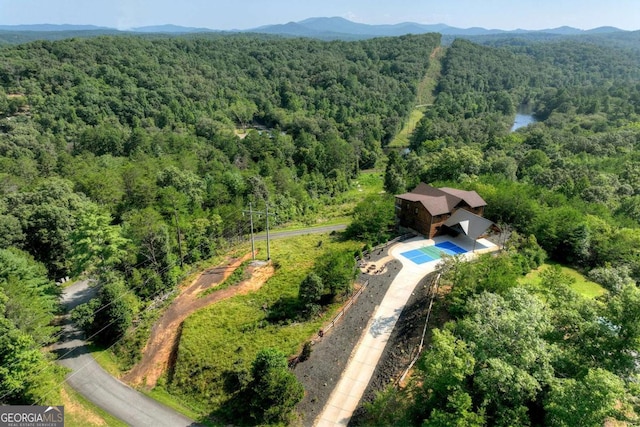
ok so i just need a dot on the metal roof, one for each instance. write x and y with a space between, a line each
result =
469 223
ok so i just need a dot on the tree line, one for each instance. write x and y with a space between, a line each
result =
532 355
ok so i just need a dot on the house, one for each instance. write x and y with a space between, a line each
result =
433 211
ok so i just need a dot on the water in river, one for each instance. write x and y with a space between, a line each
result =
524 117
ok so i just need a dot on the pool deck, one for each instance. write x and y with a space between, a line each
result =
365 356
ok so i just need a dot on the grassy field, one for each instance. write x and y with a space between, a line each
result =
401 140
295 257
581 284
339 209
227 335
161 395
425 97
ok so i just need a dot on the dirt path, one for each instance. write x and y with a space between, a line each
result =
437 51
165 332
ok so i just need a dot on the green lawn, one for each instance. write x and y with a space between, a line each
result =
227 335
581 285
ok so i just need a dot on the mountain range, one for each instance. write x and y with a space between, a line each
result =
340 26
322 28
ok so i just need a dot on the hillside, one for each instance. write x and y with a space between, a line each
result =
133 159
511 353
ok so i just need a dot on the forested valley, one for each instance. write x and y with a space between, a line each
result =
540 354
128 159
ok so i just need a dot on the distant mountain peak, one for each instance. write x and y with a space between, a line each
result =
327 28
335 26
51 27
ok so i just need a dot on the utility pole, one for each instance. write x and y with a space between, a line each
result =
175 213
253 249
266 208
266 213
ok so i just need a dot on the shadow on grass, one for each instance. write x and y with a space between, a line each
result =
285 309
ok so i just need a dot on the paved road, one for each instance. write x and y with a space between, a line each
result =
112 395
291 233
94 383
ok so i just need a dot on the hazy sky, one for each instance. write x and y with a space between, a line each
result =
244 14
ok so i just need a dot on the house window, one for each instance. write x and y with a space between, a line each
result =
415 211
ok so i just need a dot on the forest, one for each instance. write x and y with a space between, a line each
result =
129 158
532 355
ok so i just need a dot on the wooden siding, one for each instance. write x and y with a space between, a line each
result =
415 216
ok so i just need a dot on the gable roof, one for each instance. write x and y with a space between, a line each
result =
472 198
440 201
468 223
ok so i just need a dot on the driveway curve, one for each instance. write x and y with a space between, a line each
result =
94 383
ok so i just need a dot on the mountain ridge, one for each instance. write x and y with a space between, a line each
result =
340 25
320 25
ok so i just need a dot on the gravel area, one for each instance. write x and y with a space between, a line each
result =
403 343
321 372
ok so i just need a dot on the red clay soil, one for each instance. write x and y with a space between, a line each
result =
164 334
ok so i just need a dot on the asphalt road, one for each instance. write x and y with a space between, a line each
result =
112 395
94 383
312 230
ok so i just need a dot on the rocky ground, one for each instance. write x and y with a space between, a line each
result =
321 372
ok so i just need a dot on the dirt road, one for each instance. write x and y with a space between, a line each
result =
165 337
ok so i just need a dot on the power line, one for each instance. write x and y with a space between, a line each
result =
266 213
127 333
118 297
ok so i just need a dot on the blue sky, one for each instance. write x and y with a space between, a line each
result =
244 14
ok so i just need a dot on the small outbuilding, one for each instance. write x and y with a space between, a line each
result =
434 211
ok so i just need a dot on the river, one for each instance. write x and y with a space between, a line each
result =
524 117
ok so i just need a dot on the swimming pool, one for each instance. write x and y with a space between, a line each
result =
432 253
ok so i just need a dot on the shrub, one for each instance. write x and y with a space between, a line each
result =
274 390
310 293
337 271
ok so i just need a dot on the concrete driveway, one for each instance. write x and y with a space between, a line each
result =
354 380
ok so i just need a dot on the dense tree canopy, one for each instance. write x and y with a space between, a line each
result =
130 157
28 303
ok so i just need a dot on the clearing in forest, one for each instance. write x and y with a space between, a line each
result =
426 96
165 333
